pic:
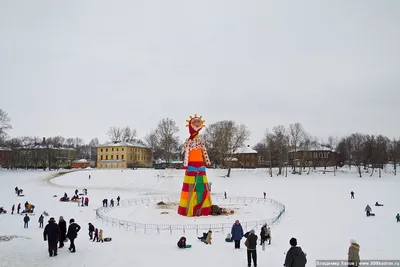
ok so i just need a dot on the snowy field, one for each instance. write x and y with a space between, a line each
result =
319 213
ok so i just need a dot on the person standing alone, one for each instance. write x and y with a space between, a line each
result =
351 194
51 234
251 244
72 234
237 234
41 221
26 220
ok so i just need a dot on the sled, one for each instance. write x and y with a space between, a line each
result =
21 195
107 239
188 246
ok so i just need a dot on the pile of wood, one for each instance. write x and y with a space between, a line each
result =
216 210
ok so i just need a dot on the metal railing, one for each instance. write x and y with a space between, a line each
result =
137 226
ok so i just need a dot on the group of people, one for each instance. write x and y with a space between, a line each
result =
57 233
295 257
95 234
368 209
105 202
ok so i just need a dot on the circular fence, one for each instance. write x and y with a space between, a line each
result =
137 226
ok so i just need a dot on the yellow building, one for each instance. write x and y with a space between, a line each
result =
124 155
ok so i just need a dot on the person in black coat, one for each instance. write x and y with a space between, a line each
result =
295 257
73 230
62 224
26 220
51 234
251 244
91 230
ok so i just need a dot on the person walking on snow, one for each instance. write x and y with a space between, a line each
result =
86 201
262 234
398 217
83 199
118 199
51 234
268 235
96 235
352 194
237 234
12 209
251 244
40 221
368 210
72 234
62 225
265 195
354 253
106 200
295 257
225 194
89 176
26 220
76 192
91 230
100 236
112 203
19 208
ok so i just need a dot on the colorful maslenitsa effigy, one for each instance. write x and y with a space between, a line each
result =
195 196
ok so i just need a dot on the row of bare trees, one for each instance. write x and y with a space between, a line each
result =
224 138
369 151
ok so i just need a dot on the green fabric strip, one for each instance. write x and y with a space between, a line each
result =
199 189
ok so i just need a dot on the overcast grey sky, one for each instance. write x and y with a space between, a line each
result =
75 68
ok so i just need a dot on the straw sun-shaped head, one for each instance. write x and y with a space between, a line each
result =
195 124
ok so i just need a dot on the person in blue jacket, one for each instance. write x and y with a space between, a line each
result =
237 233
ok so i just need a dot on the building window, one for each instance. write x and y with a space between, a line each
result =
101 150
122 157
106 149
101 157
112 157
122 149
326 155
117 157
106 159
321 155
315 155
112 149
117 149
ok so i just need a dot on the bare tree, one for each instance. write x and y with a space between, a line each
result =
269 141
70 142
4 125
166 135
280 141
296 136
128 134
115 134
223 139
93 144
380 153
394 153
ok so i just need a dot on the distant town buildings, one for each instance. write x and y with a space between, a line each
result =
80 164
42 155
5 157
124 155
320 156
245 157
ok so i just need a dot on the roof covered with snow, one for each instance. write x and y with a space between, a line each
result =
5 149
119 144
246 150
80 161
40 146
316 148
